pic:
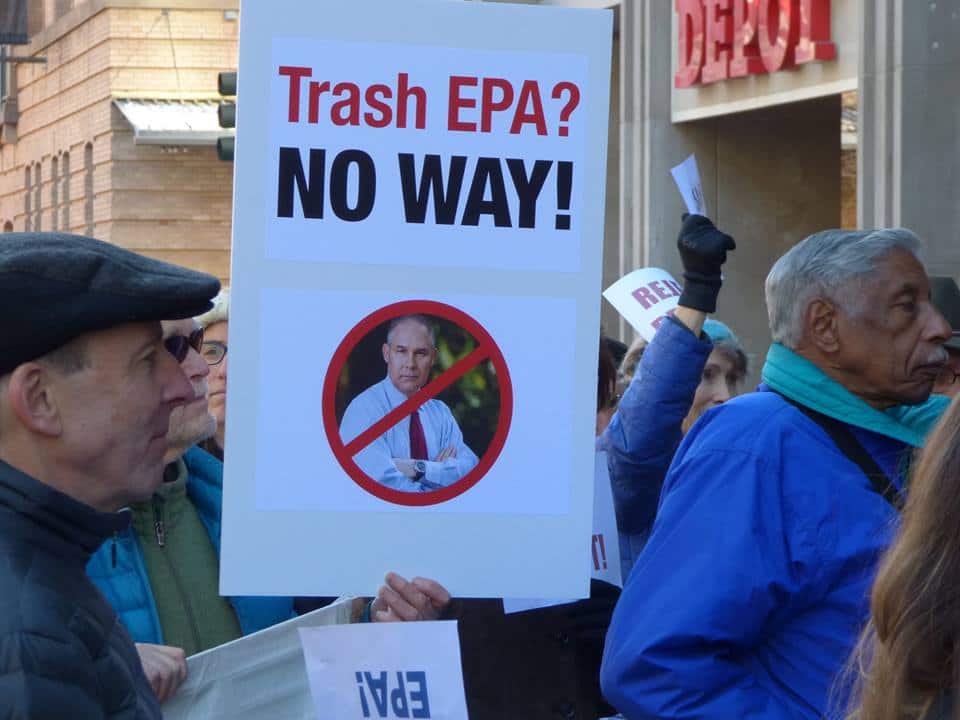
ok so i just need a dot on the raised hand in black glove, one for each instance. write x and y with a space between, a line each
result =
703 250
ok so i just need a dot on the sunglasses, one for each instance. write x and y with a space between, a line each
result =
179 345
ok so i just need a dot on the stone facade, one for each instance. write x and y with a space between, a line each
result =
70 161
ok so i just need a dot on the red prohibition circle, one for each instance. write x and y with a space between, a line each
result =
484 342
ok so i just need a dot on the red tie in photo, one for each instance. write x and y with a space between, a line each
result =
418 441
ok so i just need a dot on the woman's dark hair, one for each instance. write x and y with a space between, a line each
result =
606 377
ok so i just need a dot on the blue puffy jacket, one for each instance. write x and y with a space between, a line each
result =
753 586
127 586
646 430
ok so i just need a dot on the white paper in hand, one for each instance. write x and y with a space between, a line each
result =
687 177
385 670
645 297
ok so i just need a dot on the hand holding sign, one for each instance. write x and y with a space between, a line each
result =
165 668
703 250
400 599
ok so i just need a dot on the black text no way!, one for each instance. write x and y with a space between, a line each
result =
427 183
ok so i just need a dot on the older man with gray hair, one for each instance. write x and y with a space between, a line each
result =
754 584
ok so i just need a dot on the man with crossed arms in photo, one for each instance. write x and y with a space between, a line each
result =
425 450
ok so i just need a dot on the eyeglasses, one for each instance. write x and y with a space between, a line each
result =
179 345
213 352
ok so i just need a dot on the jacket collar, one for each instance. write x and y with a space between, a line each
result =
69 527
800 380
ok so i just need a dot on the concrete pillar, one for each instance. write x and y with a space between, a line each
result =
909 144
777 181
771 177
650 206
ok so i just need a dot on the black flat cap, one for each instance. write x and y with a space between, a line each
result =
55 287
945 296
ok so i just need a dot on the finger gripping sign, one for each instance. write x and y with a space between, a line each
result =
346 449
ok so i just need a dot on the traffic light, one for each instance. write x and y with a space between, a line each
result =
227 113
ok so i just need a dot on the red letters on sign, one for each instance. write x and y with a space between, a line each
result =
815 43
689 42
746 53
721 39
655 291
777 31
344 102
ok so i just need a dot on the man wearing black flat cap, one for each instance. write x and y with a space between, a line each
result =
86 392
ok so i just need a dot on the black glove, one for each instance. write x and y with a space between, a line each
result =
703 250
590 618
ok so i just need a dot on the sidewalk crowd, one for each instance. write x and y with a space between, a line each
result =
790 551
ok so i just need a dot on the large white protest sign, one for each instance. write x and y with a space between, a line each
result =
427 159
385 670
687 177
258 676
604 542
645 297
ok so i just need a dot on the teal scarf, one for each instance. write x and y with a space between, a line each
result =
799 379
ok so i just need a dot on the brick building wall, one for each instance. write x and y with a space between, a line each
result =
72 163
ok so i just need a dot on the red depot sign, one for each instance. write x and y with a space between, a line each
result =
486 349
722 39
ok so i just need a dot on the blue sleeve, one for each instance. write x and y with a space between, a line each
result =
258 613
375 459
646 429
377 462
701 596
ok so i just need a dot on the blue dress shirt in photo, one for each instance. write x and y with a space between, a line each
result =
376 460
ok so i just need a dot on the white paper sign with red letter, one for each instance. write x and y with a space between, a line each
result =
645 298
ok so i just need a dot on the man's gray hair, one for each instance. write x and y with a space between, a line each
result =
418 319
833 264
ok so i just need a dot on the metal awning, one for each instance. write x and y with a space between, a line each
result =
172 122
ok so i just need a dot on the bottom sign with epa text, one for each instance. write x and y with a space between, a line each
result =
385 671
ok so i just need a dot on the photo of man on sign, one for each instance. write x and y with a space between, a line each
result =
425 451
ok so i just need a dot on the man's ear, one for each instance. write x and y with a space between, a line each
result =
821 324
32 399
386 353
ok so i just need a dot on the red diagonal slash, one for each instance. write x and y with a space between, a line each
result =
427 392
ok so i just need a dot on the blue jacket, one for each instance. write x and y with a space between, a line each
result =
753 586
127 586
644 433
